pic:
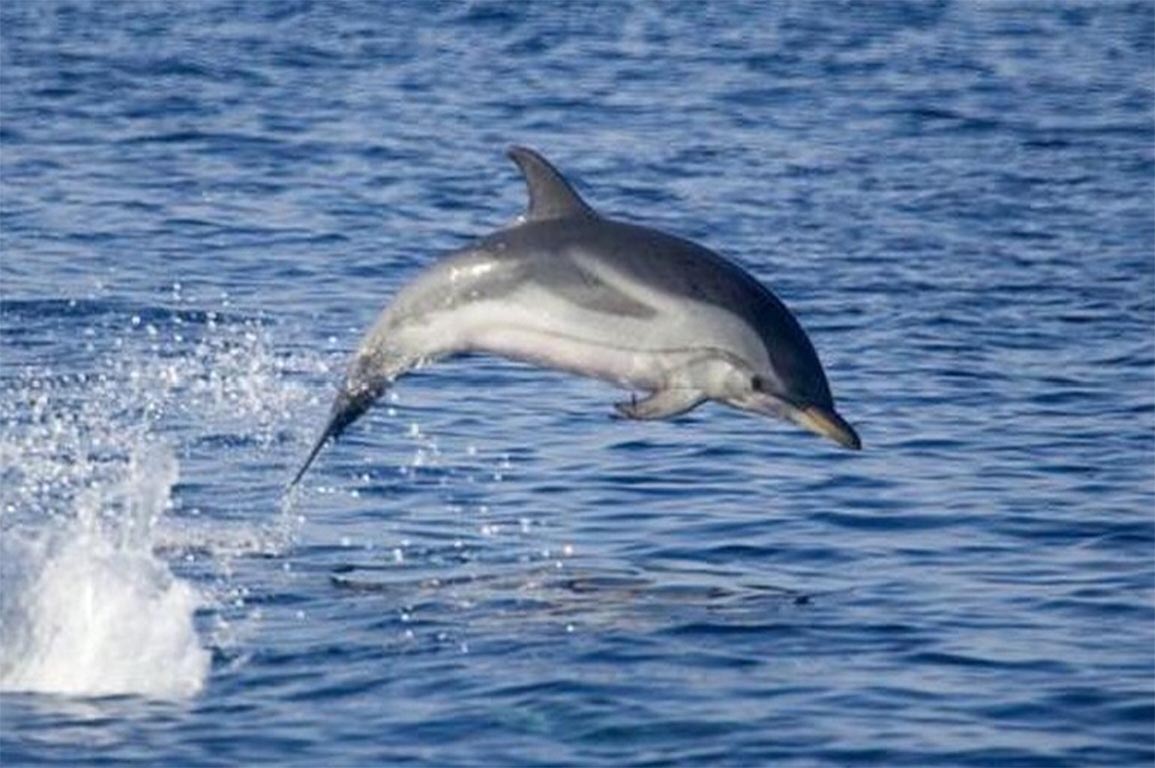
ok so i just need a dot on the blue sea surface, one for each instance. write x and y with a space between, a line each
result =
204 204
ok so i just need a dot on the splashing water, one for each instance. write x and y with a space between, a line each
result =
90 605
100 614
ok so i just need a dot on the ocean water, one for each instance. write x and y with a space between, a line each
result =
203 204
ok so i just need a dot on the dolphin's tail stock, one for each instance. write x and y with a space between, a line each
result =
347 408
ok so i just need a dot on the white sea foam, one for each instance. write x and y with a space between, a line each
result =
95 596
97 613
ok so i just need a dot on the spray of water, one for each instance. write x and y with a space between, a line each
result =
97 612
93 602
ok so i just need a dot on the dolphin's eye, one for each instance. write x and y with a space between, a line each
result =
757 383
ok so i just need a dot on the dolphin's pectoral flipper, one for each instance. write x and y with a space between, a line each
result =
663 404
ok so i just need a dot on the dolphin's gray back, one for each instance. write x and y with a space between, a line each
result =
555 251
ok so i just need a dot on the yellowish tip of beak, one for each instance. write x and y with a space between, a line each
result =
828 424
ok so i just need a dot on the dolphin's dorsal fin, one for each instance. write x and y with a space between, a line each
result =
550 195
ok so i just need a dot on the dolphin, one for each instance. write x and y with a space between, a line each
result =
566 288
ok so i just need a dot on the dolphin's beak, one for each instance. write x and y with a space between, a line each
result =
826 422
347 408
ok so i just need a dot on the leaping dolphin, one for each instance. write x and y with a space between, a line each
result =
566 288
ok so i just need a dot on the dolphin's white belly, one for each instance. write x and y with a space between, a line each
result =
679 343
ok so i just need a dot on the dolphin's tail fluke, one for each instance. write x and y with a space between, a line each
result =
325 437
347 408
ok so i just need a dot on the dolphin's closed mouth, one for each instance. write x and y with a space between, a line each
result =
828 423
